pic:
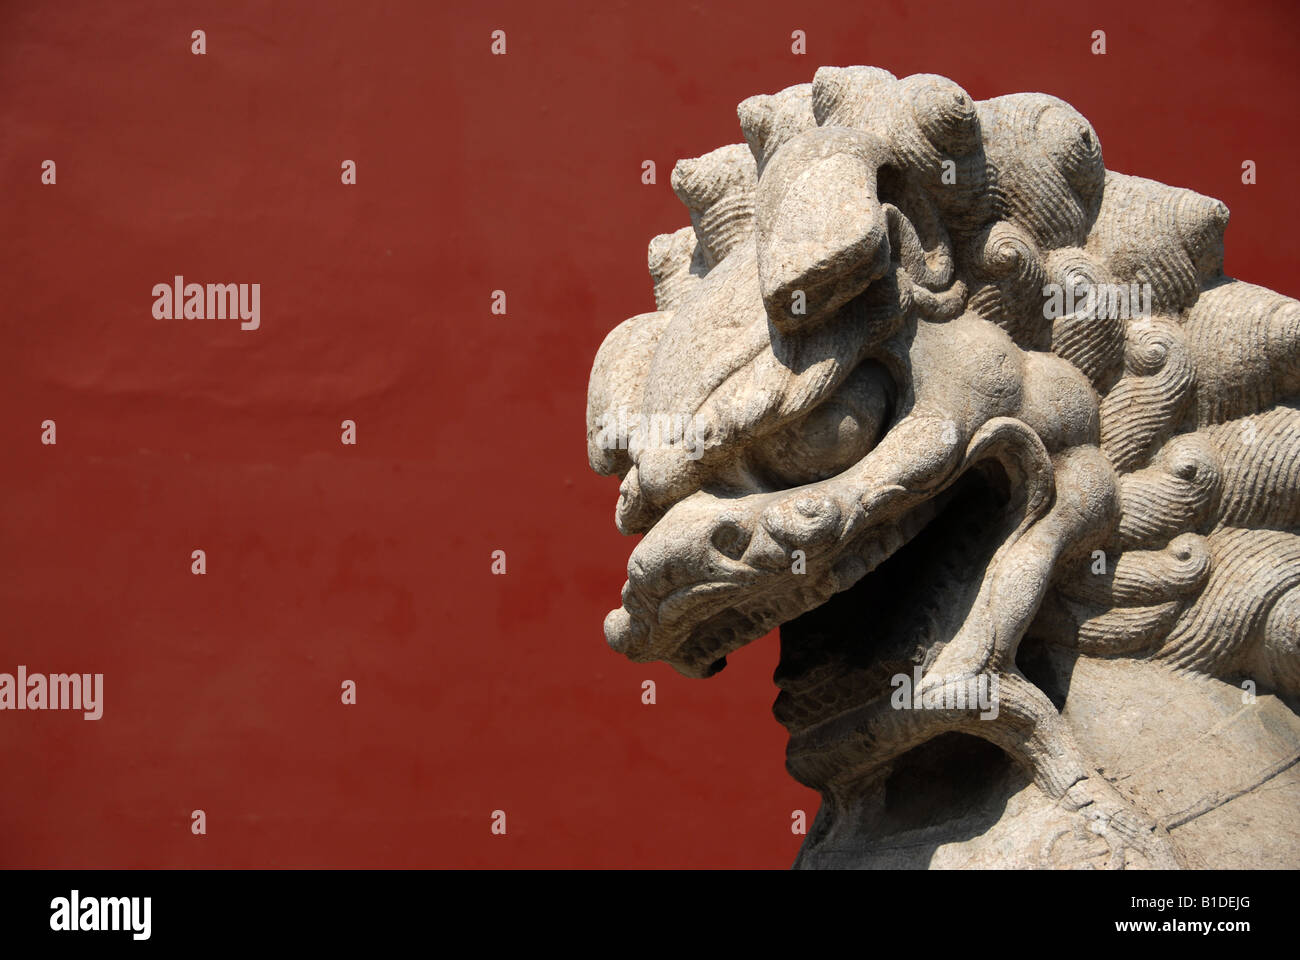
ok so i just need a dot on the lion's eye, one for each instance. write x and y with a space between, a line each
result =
832 437
731 539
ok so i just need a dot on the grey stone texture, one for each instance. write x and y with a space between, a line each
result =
936 393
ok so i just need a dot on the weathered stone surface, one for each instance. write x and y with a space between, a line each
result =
940 396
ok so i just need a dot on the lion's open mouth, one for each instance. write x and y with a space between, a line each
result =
896 583
844 653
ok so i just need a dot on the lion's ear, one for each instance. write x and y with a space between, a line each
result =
821 233
615 389
769 120
718 190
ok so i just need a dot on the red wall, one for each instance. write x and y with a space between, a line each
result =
371 563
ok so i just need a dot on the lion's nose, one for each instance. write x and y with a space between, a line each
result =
731 538
624 633
768 540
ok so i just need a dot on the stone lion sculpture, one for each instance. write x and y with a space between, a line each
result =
985 430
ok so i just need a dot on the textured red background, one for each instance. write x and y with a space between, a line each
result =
371 563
